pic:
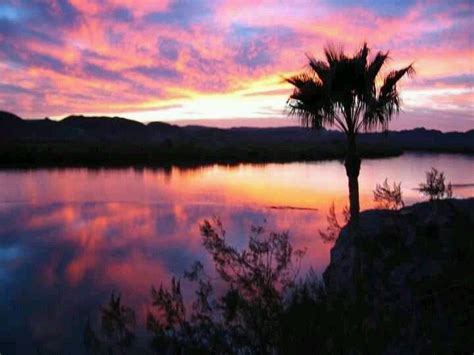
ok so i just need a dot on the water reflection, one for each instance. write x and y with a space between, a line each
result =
60 261
68 238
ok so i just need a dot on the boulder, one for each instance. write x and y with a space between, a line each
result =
413 270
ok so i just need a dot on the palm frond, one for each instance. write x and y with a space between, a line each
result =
361 56
309 101
321 69
334 54
375 65
388 102
394 76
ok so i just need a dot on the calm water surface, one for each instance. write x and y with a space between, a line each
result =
69 237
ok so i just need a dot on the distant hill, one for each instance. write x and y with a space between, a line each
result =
7 117
105 128
115 140
82 129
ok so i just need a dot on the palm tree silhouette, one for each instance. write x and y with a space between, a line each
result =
344 92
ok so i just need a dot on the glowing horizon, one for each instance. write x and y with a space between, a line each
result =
221 59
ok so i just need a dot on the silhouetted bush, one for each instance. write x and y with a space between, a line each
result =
246 317
239 312
435 187
333 227
389 197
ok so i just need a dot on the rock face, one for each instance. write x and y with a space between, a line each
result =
413 270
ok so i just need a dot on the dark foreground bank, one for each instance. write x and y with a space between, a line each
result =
114 141
410 275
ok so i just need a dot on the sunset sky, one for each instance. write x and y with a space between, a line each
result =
223 59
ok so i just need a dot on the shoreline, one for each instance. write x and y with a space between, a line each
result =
79 141
190 164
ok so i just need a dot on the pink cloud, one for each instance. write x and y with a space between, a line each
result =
122 56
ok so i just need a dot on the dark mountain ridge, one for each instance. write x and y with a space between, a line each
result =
115 140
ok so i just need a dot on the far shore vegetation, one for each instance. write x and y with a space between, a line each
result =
118 142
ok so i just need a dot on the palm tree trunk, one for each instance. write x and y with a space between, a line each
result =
352 165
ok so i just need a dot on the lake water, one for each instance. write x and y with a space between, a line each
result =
69 237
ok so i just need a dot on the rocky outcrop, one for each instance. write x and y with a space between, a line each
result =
413 272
